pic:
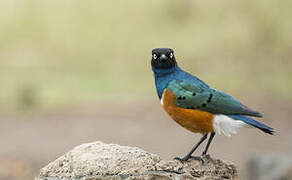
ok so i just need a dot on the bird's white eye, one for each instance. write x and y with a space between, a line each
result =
154 56
171 55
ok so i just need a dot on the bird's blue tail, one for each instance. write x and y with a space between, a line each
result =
254 123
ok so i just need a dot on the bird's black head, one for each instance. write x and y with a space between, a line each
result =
163 58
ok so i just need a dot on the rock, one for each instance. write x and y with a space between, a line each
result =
97 161
269 167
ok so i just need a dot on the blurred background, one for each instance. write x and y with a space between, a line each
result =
73 72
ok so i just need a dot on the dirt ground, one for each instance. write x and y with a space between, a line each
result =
30 141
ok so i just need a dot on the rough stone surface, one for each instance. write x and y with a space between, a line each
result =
97 161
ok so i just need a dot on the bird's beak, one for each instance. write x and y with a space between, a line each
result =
163 57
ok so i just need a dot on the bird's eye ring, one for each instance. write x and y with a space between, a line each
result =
171 55
154 56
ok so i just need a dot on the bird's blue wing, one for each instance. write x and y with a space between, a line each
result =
196 96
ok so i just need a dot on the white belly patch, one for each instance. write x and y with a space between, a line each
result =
227 126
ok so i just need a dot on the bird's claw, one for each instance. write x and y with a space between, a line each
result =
186 158
180 159
206 156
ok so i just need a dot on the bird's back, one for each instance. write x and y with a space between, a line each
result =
162 79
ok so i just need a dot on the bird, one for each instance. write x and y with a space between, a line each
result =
196 106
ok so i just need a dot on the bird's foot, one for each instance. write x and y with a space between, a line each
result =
206 156
186 158
180 159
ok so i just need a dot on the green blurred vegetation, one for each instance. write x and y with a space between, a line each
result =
64 52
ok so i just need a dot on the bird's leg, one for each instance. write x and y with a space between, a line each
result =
208 144
189 155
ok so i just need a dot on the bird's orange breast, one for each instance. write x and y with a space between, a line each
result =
196 121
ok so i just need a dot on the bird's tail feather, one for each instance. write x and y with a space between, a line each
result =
252 122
